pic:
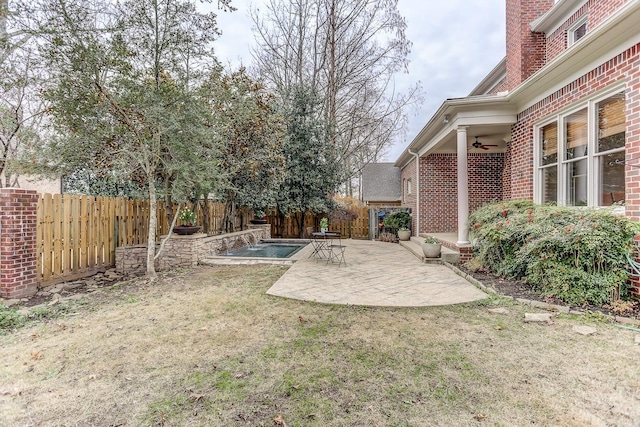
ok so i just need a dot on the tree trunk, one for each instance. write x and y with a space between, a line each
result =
4 9
280 225
332 73
168 202
301 224
204 202
153 223
228 224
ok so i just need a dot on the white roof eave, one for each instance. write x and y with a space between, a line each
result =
554 17
467 111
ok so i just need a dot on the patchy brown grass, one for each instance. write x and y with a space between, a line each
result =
208 347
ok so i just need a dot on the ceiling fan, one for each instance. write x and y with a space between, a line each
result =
482 146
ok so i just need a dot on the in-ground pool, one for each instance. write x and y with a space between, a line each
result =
267 250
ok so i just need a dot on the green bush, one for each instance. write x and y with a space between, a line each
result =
398 220
578 255
10 319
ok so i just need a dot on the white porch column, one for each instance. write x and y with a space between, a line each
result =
463 188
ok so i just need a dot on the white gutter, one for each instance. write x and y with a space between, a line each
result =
417 157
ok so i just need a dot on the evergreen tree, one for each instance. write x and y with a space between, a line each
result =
312 170
126 95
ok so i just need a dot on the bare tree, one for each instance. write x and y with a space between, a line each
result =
21 112
347 51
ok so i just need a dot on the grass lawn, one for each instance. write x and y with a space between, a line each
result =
208 347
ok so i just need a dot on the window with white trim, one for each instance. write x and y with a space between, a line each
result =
576 31
580 155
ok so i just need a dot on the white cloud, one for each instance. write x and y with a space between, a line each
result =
455 44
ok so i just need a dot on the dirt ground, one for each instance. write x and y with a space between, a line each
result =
206 346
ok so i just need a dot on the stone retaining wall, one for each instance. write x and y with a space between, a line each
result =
186 251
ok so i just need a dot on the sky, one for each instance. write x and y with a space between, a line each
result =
456 43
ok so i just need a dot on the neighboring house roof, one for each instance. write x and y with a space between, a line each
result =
381 182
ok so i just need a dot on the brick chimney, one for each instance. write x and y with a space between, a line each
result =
525 49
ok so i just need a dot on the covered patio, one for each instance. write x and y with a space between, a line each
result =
459 162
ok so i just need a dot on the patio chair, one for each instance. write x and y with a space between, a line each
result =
335 252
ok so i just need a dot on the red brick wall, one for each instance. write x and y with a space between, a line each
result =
597 11
525 49
438 193
519 162
506 173
439 188
409 200
18 223
631 69
500 87
485 178
557 41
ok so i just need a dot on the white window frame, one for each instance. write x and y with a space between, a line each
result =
564 163
593 171
537 164
571 30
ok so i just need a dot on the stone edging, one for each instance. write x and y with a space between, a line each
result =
538 304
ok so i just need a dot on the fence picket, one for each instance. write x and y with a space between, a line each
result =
55 222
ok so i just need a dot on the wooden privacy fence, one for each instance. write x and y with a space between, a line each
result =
77 235
288 227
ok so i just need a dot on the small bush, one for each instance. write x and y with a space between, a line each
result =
398 220
577 255
10 319
388 237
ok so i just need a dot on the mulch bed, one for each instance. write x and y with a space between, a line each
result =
520 289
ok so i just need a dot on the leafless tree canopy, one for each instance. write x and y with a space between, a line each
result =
21 111
348 52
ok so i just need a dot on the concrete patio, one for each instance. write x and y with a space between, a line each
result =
376 274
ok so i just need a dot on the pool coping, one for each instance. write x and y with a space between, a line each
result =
228 260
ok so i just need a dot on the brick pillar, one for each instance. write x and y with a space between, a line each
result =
18 224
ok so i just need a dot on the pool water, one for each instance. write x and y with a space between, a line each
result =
267 250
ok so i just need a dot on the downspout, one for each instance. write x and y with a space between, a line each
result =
417 157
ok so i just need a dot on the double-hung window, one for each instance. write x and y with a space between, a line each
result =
580 155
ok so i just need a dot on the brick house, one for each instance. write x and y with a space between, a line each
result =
558 119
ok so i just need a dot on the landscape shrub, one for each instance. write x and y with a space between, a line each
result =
398 220
579 255
10 319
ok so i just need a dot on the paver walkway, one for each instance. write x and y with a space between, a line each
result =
376 274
